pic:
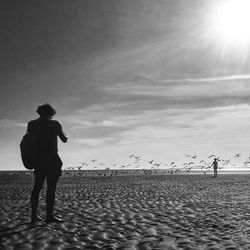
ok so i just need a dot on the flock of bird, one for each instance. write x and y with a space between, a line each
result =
136 164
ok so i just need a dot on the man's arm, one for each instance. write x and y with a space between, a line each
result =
61 134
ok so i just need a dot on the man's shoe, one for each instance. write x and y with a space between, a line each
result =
53 219
35 218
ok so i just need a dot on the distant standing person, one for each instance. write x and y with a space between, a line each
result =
215 166
48 164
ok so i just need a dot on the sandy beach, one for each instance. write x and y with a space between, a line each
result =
130 212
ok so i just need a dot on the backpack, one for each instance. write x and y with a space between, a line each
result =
28 149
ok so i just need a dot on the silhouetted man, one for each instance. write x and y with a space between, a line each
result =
48 164
215 166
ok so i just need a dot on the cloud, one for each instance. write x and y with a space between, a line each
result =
7 123
106 123
158 126
199 131
145 93
94 142
210 79
182 86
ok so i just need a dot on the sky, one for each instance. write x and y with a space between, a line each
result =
152 78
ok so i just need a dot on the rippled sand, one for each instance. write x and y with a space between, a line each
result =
131 212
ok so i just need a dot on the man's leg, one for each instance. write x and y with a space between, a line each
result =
50 197
39 180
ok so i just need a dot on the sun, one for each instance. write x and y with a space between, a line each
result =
230 22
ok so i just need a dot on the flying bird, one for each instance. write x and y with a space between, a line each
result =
219 159
225 162
157 164
191 156
210 156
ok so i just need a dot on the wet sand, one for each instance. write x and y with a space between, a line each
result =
130 212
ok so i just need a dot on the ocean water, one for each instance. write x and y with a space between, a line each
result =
119 172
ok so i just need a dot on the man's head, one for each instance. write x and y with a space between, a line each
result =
46 111
215 159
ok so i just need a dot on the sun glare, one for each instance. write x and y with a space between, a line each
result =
230 22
